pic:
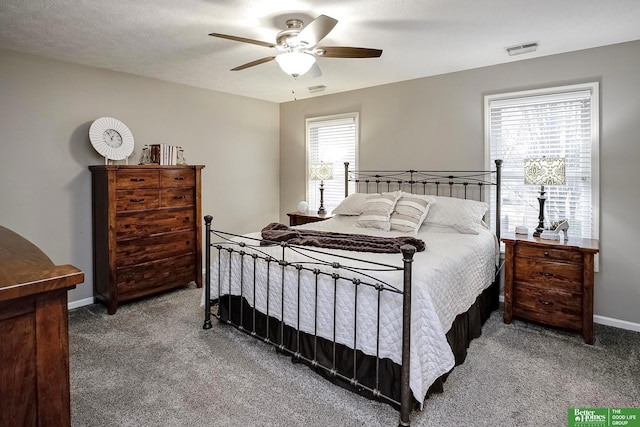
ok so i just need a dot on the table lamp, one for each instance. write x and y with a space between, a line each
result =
543 171
321 172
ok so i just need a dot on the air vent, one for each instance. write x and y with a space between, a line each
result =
522 48
316 89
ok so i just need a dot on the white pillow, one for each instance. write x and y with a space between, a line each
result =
353 204
460 214
377 211
410 212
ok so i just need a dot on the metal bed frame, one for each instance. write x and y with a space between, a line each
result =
287 338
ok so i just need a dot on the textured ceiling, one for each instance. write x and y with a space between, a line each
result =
168 39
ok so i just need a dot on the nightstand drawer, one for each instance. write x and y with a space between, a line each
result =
138 178
548 254
134 200
546 274
558 308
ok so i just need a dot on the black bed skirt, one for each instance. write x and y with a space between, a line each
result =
465 328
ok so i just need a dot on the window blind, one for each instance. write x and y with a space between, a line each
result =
331 140
556 123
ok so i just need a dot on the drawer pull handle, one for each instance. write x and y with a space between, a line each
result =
546 274
546 253
137 179
180 178
179 197
136 200
545 302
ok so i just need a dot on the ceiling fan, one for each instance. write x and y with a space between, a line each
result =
298 44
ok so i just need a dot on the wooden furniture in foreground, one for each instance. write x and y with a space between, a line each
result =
550 282
146 230
34 326
297 218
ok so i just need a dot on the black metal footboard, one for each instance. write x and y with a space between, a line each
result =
241 261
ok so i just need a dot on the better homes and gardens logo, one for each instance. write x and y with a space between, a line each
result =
603 417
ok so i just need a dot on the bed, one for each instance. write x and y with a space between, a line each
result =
390 326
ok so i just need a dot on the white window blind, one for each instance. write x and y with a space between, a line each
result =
331 140
558 122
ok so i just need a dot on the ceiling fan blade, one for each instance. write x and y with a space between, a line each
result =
317 29
348 52
253 63
242 39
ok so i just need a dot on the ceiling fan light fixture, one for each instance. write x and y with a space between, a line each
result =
295 63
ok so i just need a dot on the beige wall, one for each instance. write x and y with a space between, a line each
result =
45 185
437 122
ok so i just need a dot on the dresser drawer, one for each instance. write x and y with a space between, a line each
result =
143 279
137 251
548 254
556 275
553 307
177 178
132 200
137 178
176 197
148 223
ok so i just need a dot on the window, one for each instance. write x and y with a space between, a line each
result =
556 122
331 140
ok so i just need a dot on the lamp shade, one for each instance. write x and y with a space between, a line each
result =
321 171
544 171
295 63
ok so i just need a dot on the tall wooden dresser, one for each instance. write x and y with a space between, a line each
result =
34 335
147 230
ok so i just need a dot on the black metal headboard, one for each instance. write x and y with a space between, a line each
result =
460 184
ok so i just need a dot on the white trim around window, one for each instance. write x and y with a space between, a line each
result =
334 140
553 122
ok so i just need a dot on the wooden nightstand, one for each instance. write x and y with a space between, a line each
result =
297 218
550 282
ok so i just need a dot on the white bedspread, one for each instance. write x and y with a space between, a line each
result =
447 278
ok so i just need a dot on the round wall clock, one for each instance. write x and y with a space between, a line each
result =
111 138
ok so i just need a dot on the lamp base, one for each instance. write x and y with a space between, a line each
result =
321 210
540 227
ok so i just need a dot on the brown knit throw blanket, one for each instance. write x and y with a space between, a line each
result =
276 232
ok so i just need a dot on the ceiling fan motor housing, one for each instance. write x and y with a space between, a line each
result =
288 39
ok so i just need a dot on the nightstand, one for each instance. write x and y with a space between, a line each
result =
550 282
297 218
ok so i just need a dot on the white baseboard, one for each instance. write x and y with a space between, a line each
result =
608 321
616 323
80 303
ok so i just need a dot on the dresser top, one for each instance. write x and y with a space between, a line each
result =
575 243
26 270
116 167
